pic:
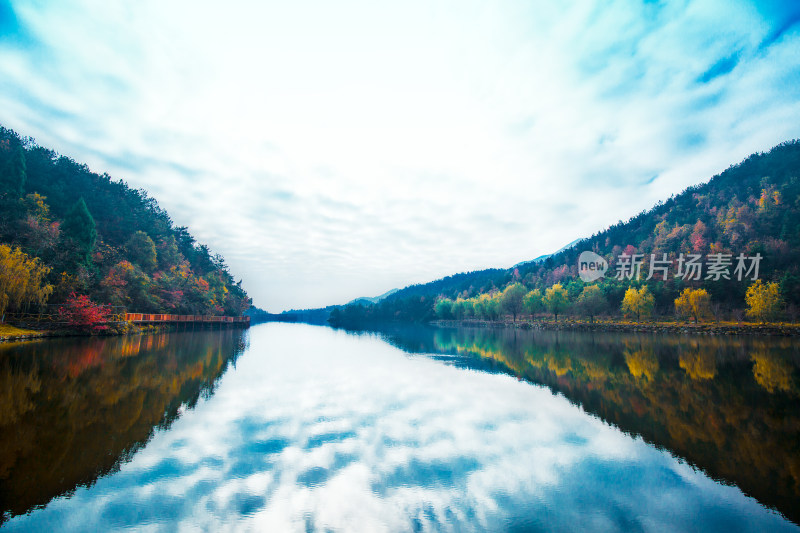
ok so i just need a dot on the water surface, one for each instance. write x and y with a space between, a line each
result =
289 427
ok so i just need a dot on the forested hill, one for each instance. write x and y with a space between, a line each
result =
76 233
750 208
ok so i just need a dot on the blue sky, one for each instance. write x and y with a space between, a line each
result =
335 151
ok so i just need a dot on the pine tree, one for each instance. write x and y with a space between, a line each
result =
79 228
142 251
14 173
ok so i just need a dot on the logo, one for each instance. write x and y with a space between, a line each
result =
591 266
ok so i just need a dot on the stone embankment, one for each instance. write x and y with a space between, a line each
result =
710 328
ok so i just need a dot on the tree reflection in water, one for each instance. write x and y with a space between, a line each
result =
726 405
72 410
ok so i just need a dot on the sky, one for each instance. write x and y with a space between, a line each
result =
335 150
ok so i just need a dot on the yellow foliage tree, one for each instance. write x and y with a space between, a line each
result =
639 303
533 301
22 280
693 302
763 301
556 299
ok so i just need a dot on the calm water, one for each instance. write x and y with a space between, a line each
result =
291 427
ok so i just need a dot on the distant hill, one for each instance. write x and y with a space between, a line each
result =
751 208
365 300
546 256
100 238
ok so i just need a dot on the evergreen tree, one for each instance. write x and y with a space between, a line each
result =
142 251
79 228
14 172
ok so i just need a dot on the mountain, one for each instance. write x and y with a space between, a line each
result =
366 300
752 208
87 235
545 256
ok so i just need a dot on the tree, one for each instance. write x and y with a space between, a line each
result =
693 302
763 300
486 306
591 301
36 207
443 308
556 299
22 280
14 172
533 301
168 253
639 303
142 251
462 308
81 313
511 299
79 228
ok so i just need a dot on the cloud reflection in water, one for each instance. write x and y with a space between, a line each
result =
319 430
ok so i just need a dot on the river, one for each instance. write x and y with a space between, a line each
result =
291 427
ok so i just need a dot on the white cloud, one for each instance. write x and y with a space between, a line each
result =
332 151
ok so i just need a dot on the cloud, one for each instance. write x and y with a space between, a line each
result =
334 152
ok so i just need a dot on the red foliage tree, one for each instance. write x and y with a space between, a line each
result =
81 313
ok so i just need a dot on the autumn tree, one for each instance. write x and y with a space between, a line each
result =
142 251
591 301
638 302
22 280
556 300
763 300
693 302
511 299
533 301
698 237
79 228
36 207
82 313
487 306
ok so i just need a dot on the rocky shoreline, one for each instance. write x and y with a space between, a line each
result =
769 330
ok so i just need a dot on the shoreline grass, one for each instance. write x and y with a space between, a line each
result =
12 332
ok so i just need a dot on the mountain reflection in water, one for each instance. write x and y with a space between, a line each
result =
73 409
290 427
728 405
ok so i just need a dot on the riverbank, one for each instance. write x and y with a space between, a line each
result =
782 329
9 332
12 333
